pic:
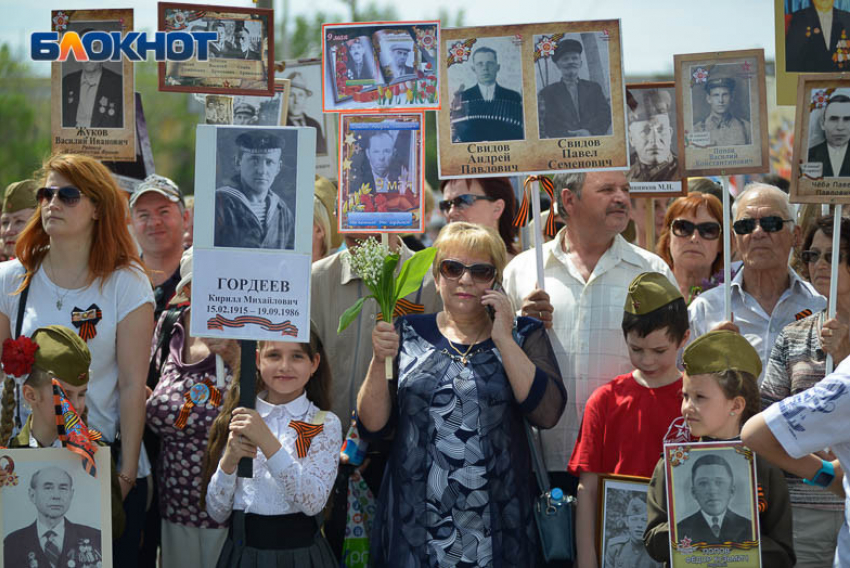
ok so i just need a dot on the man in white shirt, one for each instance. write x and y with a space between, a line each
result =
587 268
766 294
832 152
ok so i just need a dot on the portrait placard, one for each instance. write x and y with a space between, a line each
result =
380 66
249 110
712 504
240 60
130 174
305 109
653 141
532 98
45 487
723 116
821 172
382 177
621 520
92 107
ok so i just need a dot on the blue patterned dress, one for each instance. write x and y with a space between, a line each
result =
458 487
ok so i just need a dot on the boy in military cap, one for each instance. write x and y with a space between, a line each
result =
724 127
626 420
651 136
19 204
248 213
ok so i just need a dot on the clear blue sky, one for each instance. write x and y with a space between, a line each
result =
653 30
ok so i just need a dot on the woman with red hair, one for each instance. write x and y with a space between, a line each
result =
690 243
77 266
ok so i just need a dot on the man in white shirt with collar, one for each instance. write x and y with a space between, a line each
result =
587 268
832 152
766 294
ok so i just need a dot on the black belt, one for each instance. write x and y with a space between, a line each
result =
273 532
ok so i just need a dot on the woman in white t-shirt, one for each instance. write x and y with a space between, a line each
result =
80 268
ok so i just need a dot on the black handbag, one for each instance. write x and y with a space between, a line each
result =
555 520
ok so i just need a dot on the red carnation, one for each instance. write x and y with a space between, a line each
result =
18 356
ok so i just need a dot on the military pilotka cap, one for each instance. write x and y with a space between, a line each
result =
719 351
635 507
566 46
713 83
20 195
644 104
157 184
326 192
259 142
648 292
63 354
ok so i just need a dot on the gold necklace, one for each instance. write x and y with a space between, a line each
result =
61 298
464 357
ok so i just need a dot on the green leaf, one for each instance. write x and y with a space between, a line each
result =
413 271
351 314
387 285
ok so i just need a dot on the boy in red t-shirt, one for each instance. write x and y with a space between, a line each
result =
625 421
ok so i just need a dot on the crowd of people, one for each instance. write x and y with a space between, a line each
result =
618 350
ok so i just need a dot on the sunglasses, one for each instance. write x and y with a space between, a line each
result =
812 256
462 201
68 195
480 273
771 224
683 228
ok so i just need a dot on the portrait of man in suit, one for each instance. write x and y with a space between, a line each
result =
713 486
572 107
92 96
400 55
379 169
52 539
832 152
358 67
299 93
815 36
486 111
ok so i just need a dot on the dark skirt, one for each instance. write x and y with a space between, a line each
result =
279 541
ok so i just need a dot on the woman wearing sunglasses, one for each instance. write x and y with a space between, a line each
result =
797 362
77 266
466 378
690 243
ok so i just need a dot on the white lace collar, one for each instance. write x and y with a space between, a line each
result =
295 408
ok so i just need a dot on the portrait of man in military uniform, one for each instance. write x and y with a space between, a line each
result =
832 152
249 213
651 118
816 38
626 550
721 122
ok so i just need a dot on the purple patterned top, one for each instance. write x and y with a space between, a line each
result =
178 468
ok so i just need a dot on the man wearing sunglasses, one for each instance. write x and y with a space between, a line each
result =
766 294
832 152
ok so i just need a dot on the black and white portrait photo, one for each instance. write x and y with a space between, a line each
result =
305 103
397 54
486 103
721 106
257 111
623 520
93 91
652 134
829 133
237 39
360 65
255 188
218 109
573 86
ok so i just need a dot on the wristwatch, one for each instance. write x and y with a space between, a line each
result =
824 475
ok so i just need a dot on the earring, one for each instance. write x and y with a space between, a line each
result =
732 413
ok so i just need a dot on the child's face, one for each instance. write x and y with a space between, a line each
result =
654 355
707 410
41 399
285 368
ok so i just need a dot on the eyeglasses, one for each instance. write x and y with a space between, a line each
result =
684 228
812 256
453 270
462 201
68 195
771 224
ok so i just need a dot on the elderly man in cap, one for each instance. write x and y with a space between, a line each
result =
92 97
572 107
815 37
627 551
651 136
832 152
297 114
248 214
724 127
19 203
357 68
400 53
245 114
486 111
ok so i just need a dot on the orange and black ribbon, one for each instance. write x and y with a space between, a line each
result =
524 208
219 322
306 433
86 321
200 393
404 307
762 499
804 314
72 431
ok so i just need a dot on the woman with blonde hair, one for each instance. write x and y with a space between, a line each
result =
77 266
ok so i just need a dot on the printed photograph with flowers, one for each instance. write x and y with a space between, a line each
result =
380 66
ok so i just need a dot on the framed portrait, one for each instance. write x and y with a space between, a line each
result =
723 113
382 177
712 504
45 487
305 109
653 141
128 175
92 106
380 66
241 59
532 98
822 163
621 520
248 110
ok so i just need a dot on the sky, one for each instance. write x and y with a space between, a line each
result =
652 30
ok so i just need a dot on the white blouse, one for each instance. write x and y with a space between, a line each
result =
283 483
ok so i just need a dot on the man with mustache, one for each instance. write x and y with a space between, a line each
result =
832 152
724 127
248 214
572 107
650 135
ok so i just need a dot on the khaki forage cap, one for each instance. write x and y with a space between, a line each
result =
20 195
648 292
722 350
63 354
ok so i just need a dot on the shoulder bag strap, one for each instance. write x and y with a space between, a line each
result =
537 459
22 305
161 353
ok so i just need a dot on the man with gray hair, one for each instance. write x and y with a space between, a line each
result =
766 294
587 269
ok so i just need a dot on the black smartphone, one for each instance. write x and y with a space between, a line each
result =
490 310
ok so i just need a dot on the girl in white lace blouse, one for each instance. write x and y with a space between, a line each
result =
295 446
